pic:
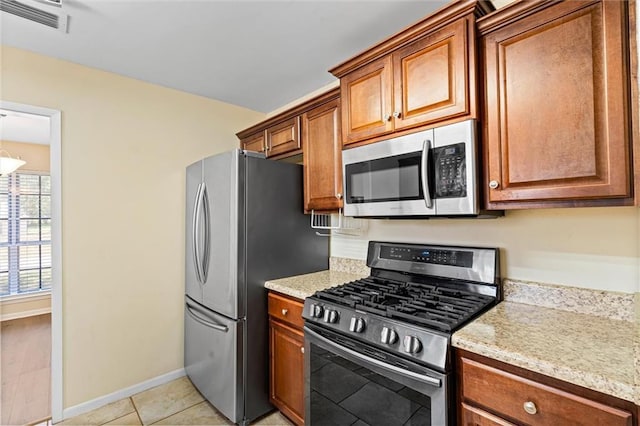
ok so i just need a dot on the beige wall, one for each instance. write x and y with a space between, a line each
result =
582 247
125 146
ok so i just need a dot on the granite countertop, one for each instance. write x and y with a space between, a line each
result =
303 286
587 350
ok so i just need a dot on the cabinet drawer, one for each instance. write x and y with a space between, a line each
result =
286 309
472 416
507 394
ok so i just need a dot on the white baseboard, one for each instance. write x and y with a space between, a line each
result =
120 394
24 314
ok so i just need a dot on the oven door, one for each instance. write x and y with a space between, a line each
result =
351 383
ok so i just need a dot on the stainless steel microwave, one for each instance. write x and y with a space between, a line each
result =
433 172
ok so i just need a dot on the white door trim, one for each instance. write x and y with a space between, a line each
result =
56 248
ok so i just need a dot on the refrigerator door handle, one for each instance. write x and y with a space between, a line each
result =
204 263
191 310
195 231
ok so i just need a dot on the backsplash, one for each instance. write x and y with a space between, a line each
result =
353 266
594 248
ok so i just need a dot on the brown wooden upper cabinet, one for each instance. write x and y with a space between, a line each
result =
424 75
255 142
557 109
322 147
282 138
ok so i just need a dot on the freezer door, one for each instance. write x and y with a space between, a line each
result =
220 266
212 358
193 287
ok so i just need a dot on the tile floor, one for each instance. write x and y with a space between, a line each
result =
175 403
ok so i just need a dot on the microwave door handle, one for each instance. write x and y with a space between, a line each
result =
426 154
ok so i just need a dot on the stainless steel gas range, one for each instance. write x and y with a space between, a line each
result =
378 351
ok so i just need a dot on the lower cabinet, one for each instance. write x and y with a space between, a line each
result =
286 356
494 393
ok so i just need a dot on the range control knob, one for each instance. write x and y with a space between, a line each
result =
316 311
411 345
356 325
330 316
388 336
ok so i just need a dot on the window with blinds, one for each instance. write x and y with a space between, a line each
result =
25 233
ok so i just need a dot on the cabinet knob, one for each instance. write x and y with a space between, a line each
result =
494 184
302 349
387 117
530 407
285 311
339 196
396 114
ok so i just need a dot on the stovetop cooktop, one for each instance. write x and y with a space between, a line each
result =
431 305
415 298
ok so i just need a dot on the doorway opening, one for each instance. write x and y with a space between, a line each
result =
31 265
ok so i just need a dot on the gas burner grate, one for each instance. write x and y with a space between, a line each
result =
429 305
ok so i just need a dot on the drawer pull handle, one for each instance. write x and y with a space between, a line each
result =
302 349
285 311
530 407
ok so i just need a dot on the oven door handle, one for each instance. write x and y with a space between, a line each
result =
397 370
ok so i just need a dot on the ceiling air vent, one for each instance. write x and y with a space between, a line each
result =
35 14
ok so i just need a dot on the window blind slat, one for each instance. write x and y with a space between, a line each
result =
25 233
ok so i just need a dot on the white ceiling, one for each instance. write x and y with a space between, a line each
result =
256 54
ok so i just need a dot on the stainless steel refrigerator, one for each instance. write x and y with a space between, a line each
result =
244 225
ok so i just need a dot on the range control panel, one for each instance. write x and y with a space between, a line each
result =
428 255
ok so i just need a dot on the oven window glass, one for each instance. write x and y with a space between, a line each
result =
394 178
345 393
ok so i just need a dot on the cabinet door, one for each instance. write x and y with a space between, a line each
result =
283 137
557 106
431 78
322 147
287 370
366 96
254 143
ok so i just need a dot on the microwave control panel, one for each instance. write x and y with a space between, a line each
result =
450 171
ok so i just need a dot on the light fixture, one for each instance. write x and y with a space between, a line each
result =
9 164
